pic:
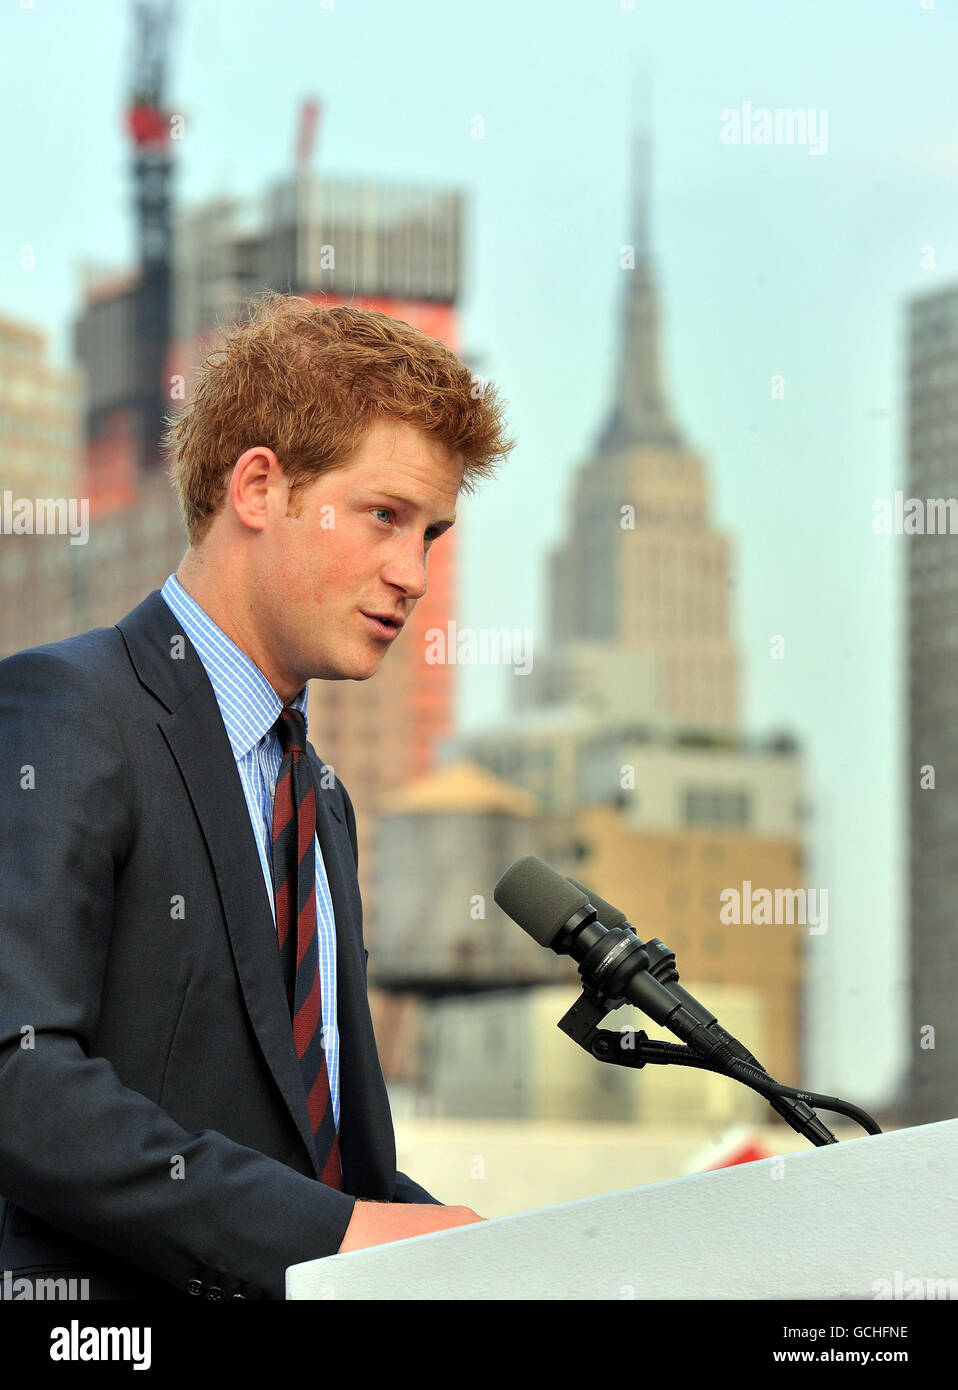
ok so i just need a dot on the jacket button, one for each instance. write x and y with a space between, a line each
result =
194 1286
214 1291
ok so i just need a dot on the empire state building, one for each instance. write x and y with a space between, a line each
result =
640 587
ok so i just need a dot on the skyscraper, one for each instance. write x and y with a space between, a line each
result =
642 569
932 667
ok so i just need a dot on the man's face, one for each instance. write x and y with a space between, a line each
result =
358 547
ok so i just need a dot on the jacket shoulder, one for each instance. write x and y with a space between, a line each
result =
93 653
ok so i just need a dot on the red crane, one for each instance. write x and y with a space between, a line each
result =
148 123
309 115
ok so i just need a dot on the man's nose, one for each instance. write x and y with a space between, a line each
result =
407 569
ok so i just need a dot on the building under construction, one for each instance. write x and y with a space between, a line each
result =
393 246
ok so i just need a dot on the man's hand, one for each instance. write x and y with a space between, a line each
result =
377 1223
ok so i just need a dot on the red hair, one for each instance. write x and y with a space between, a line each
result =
307 382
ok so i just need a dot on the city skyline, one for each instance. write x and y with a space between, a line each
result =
772 262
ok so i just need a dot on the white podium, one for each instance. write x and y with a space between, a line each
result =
856 1220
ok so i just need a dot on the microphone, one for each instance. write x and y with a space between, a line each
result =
794 1112
612 963
662 966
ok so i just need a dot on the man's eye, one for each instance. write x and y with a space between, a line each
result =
388 511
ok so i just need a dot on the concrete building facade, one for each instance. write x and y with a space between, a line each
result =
931 1091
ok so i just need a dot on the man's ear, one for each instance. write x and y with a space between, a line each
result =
255 474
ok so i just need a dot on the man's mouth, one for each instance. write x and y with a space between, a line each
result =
383 624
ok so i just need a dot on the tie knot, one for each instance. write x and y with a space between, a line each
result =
291 730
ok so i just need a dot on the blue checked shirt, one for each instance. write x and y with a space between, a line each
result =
250 707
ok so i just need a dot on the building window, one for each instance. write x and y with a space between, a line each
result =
716 806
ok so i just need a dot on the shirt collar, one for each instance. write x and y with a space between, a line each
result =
248 703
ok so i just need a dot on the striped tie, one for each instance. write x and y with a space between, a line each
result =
294 879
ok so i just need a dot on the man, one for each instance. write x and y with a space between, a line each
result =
190 1094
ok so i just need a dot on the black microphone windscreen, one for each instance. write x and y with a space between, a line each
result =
537 897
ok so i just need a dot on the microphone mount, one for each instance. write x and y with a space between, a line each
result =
636 1049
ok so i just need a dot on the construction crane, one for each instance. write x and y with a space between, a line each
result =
148 124
309 115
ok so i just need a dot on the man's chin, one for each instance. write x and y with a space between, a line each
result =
365 666
352 663
359 669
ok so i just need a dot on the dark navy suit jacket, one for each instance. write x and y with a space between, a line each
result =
154 1135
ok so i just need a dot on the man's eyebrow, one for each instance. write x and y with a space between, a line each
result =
444 521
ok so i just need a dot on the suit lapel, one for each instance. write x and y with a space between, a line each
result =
197 738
